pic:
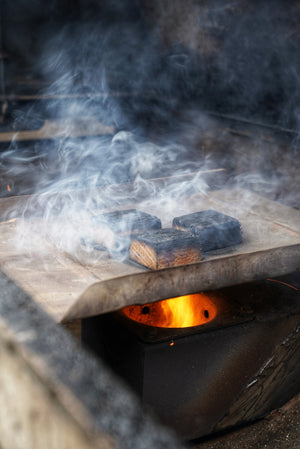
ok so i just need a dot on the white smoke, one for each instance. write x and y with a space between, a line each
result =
117 72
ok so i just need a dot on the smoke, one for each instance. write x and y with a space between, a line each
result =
232 56
108 62
258 66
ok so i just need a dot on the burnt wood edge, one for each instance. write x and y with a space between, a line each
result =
150 286
96 405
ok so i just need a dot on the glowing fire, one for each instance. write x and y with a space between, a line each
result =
8 188
184 311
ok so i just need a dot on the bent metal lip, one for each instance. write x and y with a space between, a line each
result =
270 247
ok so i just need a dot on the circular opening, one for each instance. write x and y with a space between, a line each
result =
183 311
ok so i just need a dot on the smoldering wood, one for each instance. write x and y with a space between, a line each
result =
213 229
54 394
165 248
68 288
127 221
114 230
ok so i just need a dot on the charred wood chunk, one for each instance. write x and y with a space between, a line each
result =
164 248
214 229
113 230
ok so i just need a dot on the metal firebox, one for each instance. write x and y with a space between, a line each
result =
229 371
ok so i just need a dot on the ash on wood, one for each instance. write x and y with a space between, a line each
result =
214 229
165 248
113 230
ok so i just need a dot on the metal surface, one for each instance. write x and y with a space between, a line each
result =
74 284
144 287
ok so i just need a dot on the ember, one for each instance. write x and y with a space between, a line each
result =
184 311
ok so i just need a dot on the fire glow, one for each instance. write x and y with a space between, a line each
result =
183 311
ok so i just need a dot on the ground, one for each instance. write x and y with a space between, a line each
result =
279 430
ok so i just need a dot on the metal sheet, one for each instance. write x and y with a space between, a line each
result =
68 288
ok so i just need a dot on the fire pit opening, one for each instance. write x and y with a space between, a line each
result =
184 311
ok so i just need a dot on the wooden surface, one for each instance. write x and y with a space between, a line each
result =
62 129
32 415
69 282
55 395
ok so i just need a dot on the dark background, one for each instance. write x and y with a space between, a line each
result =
245 60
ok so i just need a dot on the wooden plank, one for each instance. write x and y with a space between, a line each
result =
49 276
60 129
31 414
81 283
55 395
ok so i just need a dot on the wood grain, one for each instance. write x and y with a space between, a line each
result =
157 260
165 248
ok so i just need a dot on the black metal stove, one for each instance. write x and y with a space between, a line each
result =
228 371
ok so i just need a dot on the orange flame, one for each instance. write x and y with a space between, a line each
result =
184 311
8 187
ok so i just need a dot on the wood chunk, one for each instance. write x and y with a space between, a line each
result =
214 229
164 248
114 230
